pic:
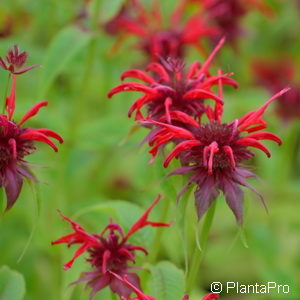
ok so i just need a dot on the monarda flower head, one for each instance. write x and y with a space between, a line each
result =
154 38
141 296
169 90
214 153
17 142
108 252
14 61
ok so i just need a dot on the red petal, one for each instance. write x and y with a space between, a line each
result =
143 220
212 148
263 135
206 65
199 93
69 239
177 115
133 27
79 251
212 80
140 294
211 296
23 70
193 69
177 131
126 253
13 144
168 103
138 75
138 248
253 143
160 70
33 134
132 86
183 146
33 111
50 133
228 151
254 117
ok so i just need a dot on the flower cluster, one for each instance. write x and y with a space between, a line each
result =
213 152
170 91
109 252
182 109
17 141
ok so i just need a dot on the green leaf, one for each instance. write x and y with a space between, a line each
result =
109 9
167 281
12 284
65 45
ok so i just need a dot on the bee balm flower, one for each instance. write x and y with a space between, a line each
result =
17 142
170 90
14 61
213 153
108 252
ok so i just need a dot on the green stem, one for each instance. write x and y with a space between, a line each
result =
157 240
198 254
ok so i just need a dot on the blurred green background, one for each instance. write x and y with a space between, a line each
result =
100 172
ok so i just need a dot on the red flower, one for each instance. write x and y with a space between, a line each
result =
154 39
170 90
274 75
14 61
142 296
108 253
214 154
16 142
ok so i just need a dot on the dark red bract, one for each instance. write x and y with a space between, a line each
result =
214 154
169 91
16 142
108 252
